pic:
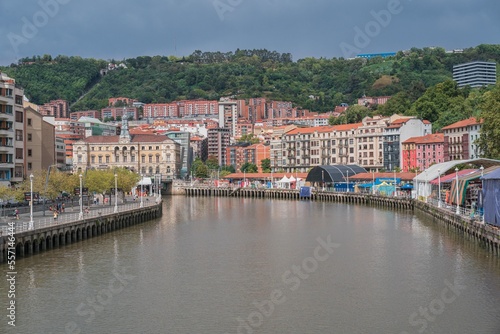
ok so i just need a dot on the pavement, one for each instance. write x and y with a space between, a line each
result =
71 213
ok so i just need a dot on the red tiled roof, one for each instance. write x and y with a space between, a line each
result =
463 123
427 139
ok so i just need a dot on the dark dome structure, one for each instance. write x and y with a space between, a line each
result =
333 173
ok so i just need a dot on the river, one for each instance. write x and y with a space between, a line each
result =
233 265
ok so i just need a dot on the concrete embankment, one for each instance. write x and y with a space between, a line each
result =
29 242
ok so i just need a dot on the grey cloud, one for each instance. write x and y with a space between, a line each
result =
120 29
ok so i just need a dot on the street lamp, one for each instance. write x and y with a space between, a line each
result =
80 216
31 202
482 187
373 182
116 193
395 194
456 189
347 181
439 188
142 195
425 187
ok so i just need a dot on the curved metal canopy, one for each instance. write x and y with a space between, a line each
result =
333 173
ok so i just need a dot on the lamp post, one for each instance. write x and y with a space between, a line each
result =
116 193
142 195
31 202
439 188
425 187
482 188
373 182
456 189
395 193
80 216
347 181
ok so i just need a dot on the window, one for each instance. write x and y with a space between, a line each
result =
79 159
157 158
107 159
29 121
30 153
92 159
125 159
29 137
30 166
100 159
150 158
132 158
143 159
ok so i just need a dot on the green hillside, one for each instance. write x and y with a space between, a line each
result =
243 74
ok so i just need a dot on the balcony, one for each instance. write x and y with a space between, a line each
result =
6 131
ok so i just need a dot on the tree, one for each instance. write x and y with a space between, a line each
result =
266 165
248 167
249 138
489 138
212 162
201 171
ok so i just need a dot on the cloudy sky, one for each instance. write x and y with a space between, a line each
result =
120 29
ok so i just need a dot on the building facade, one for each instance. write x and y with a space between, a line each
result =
40 151
218 141
56 108
475 74
419 153
461 139
12 134
145 154
398 130
186 153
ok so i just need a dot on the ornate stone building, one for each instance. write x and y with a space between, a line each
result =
144 154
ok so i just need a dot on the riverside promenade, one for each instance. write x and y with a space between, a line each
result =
26 237
465 222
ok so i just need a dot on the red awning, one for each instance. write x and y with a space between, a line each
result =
450 177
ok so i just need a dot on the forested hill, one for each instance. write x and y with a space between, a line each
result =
243 74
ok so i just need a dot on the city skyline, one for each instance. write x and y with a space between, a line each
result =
126 29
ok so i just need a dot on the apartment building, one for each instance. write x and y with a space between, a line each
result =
117 113
419 153
239 154
11 132
228 116
186 152
183 108
277 146
76 115
370 143
398 130
199 146
218 141
304 148
40 146
461 139
56 108
475 74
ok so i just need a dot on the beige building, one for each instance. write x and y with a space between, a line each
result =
40 142
145 154
370 142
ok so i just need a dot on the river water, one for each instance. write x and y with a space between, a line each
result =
232 265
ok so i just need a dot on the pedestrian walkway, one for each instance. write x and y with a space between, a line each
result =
71 214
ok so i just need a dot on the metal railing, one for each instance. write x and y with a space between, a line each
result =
39 222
